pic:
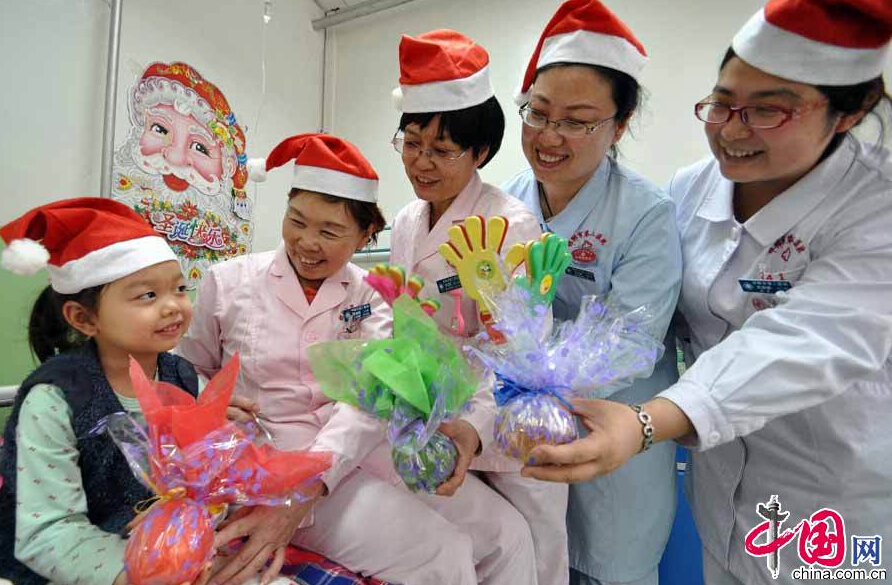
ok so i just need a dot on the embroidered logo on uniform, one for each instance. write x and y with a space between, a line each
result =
786 246
583 246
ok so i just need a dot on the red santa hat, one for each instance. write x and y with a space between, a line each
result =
189 93
83 242
322 163
586 32
820 42
441 71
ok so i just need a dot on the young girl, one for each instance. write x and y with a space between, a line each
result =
115 290
787 248
270 306
451 125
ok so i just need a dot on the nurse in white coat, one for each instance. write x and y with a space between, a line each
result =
452 125
577 97
786 296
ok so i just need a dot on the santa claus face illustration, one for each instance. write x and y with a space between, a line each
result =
175 145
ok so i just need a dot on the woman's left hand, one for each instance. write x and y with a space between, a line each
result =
269 531
615 435
614 438
467 441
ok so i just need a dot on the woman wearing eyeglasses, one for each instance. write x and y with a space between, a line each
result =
786 297
451 125
579 93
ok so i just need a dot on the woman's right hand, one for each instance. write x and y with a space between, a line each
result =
242 409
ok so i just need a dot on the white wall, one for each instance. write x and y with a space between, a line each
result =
54 60
685 39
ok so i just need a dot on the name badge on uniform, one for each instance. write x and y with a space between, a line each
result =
579 273
356 314
754 285
444 285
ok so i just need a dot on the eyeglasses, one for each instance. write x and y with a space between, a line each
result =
762 117
566 128
411 149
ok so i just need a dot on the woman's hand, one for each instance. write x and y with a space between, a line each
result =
269 531
242 409
615 436
467 441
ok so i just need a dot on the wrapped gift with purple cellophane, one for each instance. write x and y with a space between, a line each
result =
540 365
198 462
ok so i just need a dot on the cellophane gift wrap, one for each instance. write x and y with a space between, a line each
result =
413 382
540 365
198 462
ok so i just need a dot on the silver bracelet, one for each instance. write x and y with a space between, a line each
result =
647 427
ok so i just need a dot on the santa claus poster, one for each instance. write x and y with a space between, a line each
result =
182 167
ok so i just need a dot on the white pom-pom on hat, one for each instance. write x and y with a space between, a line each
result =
25 256
397 96
257 169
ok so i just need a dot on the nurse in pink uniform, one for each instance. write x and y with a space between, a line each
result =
270 307
451 125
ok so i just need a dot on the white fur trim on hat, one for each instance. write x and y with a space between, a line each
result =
257 169
589 48
334 182
24 256
110 263
794 57
447 96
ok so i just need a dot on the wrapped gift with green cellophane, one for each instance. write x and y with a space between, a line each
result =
413 381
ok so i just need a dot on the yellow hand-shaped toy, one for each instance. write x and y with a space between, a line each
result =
473 250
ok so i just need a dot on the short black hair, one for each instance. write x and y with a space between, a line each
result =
478 127
844 100
626 92
365 213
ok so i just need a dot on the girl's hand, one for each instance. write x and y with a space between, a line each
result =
242 409
467 441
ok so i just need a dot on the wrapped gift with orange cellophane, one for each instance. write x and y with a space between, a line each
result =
197 462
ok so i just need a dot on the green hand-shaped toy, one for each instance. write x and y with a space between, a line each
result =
473 250
546 260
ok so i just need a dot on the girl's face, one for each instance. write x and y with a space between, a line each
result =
773 158
146 312
575 93
436 180
320 236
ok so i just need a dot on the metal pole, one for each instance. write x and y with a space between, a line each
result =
111 92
